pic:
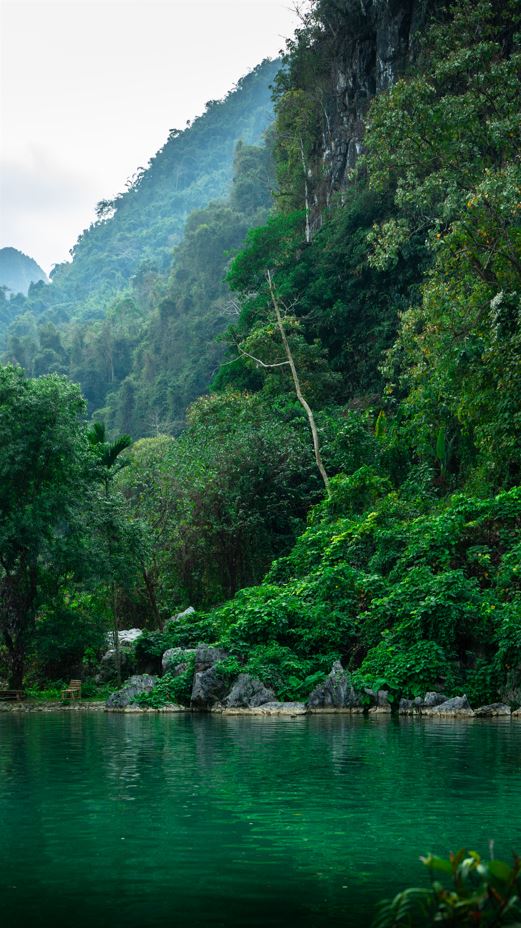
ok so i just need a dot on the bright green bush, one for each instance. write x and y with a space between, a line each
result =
408 671
464 890
409 599
169 690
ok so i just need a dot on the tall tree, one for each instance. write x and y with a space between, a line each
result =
44 479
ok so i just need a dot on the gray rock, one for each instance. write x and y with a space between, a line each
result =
108 669
175 660
208 688
274 708
126 636
206 656
431 700
180 615
406 707
134 686
459 705
336 692
494 709
247 693
382 705
516 714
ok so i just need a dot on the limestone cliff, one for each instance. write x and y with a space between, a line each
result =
358 48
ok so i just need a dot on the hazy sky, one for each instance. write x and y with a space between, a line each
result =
90 89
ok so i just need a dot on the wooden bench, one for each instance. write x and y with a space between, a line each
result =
73 691
12 694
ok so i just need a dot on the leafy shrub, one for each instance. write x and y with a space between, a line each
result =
413 598
170 689
409 671
465 890
290 676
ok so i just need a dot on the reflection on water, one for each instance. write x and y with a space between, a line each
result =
143 821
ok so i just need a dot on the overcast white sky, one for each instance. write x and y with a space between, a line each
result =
90 89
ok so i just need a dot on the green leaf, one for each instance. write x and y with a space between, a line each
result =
437 863
500 870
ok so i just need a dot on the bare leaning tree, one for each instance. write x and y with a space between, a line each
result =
279 309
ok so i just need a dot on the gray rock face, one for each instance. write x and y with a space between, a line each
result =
431 700
180 615
494 709
374 42
206 656
276 708
175 660
336 692
248 693
141 683
108 669
419 704
382 705
459 705
126 636
208 688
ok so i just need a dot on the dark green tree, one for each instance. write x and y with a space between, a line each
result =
45 480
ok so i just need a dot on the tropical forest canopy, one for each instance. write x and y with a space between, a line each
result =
320 376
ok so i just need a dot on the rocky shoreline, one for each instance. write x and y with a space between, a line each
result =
288 709
211 690
208 687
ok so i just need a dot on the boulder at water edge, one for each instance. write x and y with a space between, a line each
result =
209 687
141 683
458 706
429 701
248 693
493 710
336 692
382 705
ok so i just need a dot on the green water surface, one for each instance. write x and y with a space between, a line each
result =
158 820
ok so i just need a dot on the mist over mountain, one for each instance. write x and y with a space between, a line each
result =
18 271
140 227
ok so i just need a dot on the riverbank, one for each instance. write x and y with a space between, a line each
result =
289 709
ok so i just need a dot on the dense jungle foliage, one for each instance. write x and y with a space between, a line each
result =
377 335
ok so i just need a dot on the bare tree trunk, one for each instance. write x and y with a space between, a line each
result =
298 390
306 192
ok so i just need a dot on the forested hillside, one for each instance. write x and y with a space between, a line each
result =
88 321
348 489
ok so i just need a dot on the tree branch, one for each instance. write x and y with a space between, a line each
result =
296 381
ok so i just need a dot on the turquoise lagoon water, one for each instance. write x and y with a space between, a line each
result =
157 820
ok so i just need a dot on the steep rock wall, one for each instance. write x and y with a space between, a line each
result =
367 45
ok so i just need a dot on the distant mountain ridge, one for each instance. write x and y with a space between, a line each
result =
18 271
138 229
